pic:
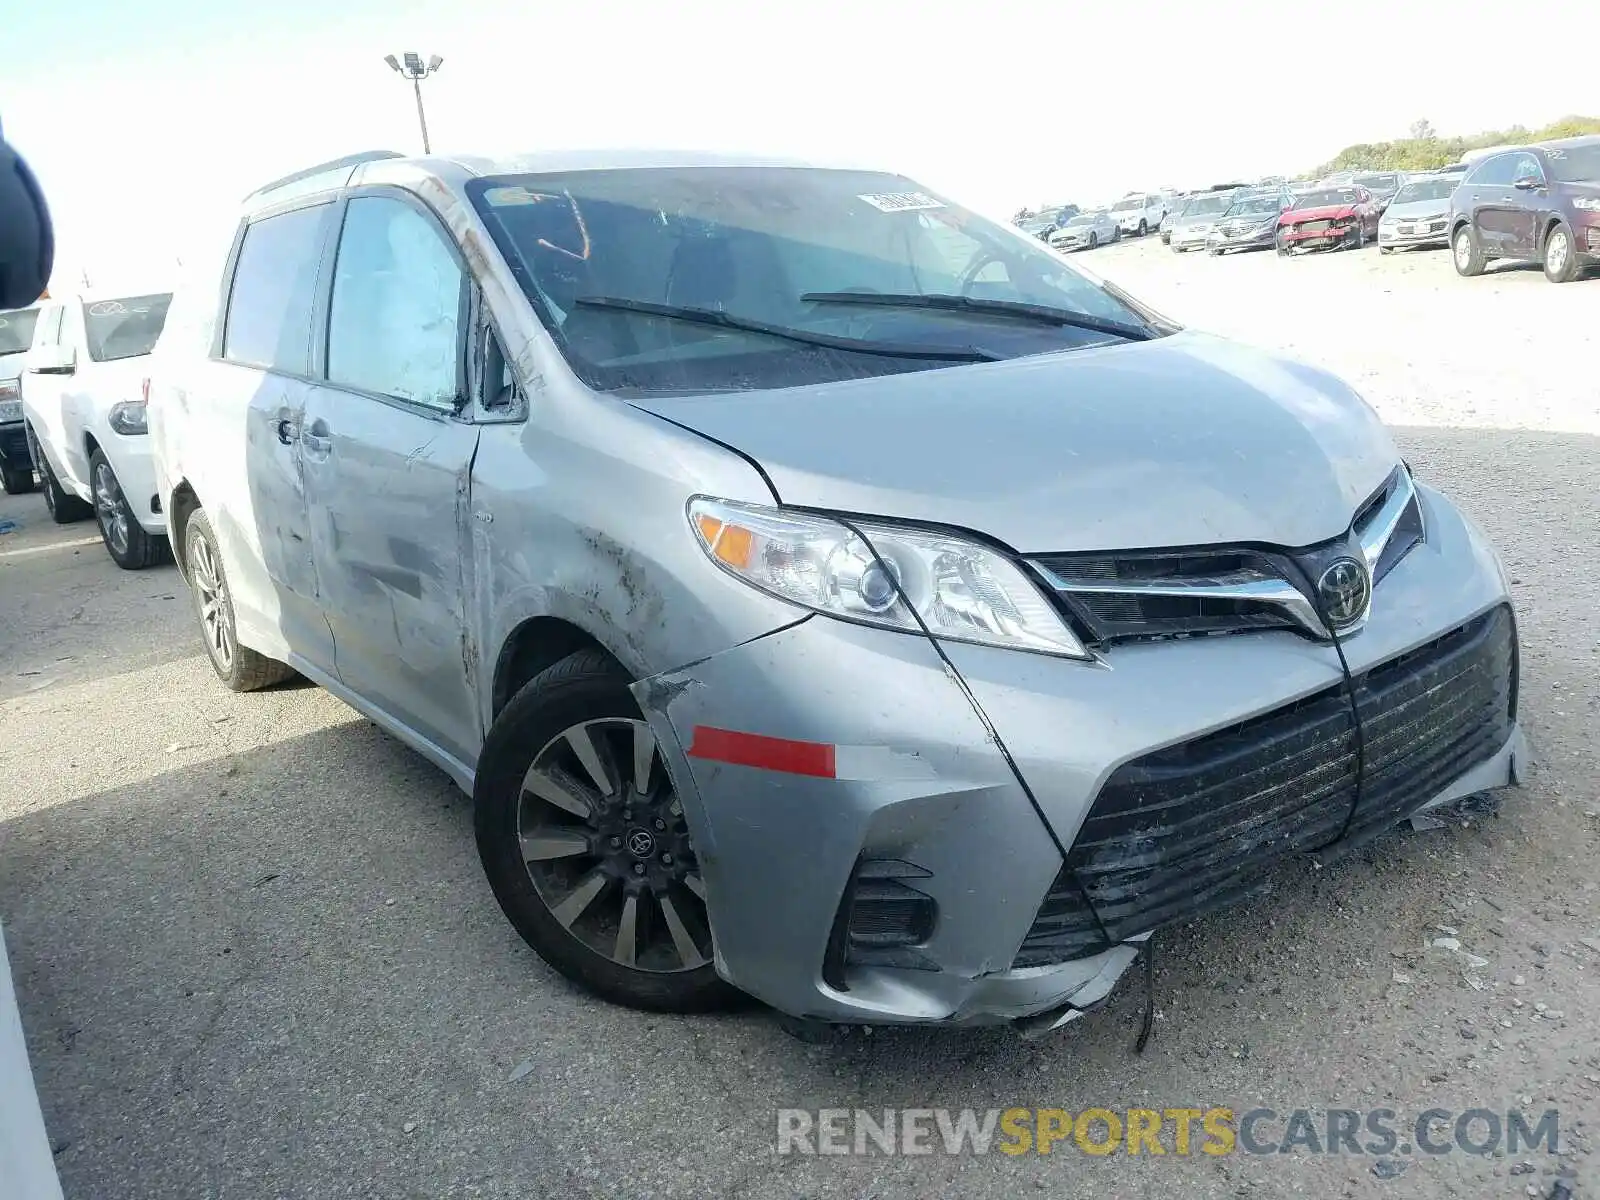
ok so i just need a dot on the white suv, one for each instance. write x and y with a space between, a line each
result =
1139 212
84 388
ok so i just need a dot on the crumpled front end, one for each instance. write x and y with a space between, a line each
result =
892 830
869 854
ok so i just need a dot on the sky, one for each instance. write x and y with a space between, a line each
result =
146 123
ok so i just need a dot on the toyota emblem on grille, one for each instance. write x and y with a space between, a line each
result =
1344 590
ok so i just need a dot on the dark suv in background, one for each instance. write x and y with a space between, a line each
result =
1532 202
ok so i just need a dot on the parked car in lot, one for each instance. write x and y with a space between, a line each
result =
1419 215
1250 223
1139 213
705 518
1043 224
1086 231
1383 185
84 389
1336 218
1537 202
1189 228
16 465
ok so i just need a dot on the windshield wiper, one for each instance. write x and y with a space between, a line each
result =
1044 314
712 316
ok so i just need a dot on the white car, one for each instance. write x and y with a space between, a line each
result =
1086 231
1140 212
84 388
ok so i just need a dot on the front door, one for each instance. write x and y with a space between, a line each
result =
1493 198
387 466
1530 195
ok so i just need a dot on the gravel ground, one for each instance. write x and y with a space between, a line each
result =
256 956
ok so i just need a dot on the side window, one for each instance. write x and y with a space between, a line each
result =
1496 172
274 286
1526 166
395 322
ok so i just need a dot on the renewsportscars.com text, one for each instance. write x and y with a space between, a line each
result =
1149 1131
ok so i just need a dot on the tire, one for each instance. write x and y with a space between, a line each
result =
1094 240
1116 233
1561 261
64 508
1281 246
1214 251
130 547
1144 227
240 668
1385 249
1465 251
16 480
573 906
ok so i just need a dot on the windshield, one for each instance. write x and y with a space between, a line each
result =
1325 197
1426 189
1208 205
124 328
1575 164
1378 183
16 330
751 242
1128 202
1256 206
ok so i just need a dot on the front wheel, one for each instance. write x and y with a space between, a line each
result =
1561 263
584 841
1385 249
130 547
240 668
1094 240
1281 244
1466 252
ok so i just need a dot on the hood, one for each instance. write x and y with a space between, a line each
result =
1588 188
1185 440
1411 210
1326 212
120 379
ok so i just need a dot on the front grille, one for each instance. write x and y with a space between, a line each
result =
1313 227
1198 825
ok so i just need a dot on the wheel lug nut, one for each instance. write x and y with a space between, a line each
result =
667 859
615 841
660 824
638 868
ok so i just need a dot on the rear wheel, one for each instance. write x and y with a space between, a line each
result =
1466 252
130 547
16 480
1094 239
584 841
1561 263
63 507
1144 227
240 668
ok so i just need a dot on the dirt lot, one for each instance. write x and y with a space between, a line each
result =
256 956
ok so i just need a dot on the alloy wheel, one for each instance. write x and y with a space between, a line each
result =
1556 251
1463 249
111 509
606 847
211 595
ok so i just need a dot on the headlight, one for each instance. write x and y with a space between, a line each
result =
1587 203
128 417
963 592
10 410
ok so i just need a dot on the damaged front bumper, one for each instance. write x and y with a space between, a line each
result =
889 831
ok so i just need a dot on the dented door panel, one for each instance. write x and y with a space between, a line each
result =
388 490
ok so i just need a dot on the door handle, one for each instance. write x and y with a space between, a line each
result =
287 432
316 441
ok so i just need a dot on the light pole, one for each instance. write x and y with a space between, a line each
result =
412 68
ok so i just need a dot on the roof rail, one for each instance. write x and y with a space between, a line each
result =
349 161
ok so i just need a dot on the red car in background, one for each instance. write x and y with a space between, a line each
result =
1330 218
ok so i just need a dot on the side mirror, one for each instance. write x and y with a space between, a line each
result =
51 360
1525 183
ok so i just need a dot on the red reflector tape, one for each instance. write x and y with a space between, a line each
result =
758 750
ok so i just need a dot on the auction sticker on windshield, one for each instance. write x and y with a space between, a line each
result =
901 201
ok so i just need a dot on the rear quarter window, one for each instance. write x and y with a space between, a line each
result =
274 289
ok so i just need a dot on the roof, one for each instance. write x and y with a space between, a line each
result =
1572 143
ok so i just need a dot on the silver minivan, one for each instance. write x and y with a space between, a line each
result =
824 592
